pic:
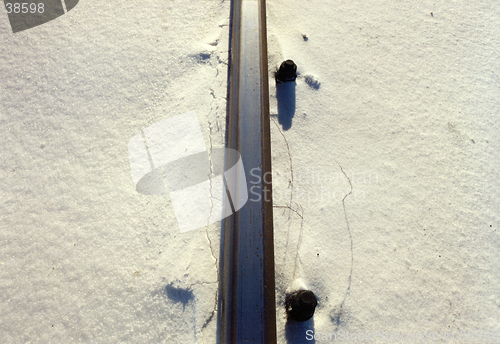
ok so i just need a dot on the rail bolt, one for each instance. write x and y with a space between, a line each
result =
300 305
287 72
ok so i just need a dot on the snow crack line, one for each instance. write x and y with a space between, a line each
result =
352 250
298 211
290 184
214 110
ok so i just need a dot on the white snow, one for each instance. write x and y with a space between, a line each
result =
393 148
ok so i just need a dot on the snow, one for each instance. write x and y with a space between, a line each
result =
393 147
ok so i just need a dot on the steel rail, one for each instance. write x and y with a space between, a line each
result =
247 305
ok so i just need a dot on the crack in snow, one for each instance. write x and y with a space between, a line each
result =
214 109
338 314
290 184
292 210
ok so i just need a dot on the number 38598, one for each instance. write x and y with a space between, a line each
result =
24 8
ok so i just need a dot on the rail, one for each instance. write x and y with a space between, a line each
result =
247 308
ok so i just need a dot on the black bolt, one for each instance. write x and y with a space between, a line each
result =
287 71
300 305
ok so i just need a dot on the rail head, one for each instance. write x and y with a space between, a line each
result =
247 312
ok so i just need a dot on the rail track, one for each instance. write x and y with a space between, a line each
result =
247 306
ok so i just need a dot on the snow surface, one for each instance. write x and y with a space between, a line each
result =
389 165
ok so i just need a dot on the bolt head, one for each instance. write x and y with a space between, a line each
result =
300 305
287 71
